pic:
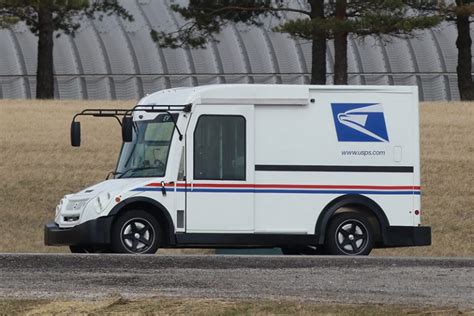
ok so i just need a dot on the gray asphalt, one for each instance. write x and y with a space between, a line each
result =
373 280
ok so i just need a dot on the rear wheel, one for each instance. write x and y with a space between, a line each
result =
349 234
136 232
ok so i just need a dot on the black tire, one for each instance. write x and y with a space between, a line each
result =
349 234
304 250
136 232
89 249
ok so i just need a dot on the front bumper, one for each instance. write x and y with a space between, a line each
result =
403 236
94 232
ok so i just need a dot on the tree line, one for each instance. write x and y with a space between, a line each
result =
318 22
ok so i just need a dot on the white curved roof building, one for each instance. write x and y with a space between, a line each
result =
114 59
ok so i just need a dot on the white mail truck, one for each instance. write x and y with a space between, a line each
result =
310 169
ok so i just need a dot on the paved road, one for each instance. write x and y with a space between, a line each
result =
412 281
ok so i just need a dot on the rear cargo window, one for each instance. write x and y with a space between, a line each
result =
219 148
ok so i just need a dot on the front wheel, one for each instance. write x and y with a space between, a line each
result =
136 232
349 234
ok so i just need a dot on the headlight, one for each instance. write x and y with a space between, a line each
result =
101 201
59 206
76 205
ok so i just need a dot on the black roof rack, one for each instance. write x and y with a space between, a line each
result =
162 107
116 113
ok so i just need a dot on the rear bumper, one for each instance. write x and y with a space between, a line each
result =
92 232
403 236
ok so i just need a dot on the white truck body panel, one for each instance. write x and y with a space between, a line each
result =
305 147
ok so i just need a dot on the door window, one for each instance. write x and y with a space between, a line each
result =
219 148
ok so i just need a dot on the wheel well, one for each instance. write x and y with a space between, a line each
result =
353 203
156 211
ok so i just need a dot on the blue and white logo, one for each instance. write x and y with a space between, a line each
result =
359 122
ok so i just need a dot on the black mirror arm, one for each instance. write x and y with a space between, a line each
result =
101 113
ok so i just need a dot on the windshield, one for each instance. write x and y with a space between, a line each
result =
147 154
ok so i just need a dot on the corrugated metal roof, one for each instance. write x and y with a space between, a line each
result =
113 59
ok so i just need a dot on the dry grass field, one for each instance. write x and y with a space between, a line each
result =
38 166
194 306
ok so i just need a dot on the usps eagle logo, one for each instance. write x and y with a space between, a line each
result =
359 122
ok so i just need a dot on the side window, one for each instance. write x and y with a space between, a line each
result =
219 148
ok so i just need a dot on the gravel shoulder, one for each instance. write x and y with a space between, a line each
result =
338 280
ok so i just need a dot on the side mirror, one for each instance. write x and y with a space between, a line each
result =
76 134
127 129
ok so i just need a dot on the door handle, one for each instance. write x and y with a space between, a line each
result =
163 188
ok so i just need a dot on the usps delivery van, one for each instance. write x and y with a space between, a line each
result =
311 169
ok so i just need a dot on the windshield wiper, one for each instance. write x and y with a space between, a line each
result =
175 125
112 173
121 174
